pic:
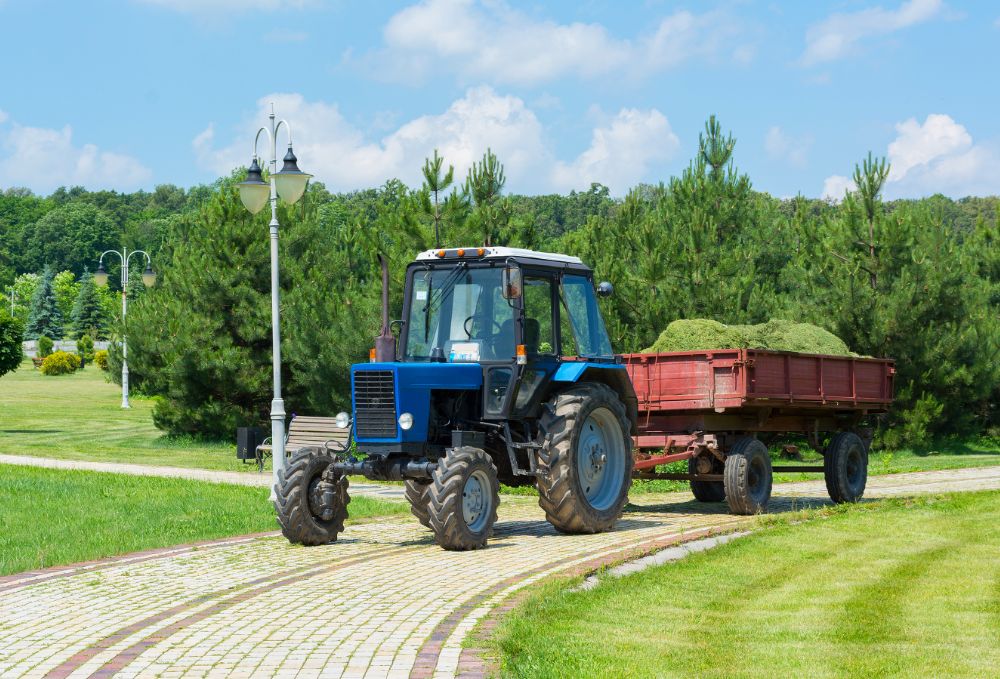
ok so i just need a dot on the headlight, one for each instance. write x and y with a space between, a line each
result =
342 420
405 421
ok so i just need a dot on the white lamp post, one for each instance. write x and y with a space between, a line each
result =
289 184
148 279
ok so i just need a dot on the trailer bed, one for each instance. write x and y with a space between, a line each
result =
684 395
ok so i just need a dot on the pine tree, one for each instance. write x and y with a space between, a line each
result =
45 317
483 186
434 185
88 314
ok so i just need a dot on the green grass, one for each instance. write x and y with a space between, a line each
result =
901 588
50 517
79 417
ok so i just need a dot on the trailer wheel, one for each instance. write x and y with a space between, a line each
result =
311 506
747 477
463 497
586 459
706 491
845 467
418 495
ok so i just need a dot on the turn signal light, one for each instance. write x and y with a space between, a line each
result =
440 253
481 251
371 355
461 252
522 355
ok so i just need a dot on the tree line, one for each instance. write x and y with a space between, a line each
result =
917 280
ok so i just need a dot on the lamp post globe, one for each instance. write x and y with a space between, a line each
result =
291 181
149 277
101 276
254 191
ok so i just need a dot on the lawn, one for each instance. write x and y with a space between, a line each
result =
902 588
79 417
50 517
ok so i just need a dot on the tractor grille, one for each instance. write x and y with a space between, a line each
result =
375 404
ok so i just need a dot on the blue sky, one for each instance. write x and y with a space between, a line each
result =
127 94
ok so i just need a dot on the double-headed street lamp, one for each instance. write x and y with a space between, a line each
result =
148 279
290 184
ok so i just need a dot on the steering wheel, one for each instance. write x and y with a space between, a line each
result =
468 333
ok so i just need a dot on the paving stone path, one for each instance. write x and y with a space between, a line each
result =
381 602
245 478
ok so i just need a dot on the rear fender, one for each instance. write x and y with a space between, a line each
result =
612 374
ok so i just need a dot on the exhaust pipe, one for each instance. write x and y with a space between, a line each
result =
385 343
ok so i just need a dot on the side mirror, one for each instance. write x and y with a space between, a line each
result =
605 289
512 284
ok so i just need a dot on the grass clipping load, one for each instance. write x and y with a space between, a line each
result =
699 334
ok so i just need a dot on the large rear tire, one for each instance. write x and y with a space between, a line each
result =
706 491
464 494
747 477
311 504
845 467
586 459
418 495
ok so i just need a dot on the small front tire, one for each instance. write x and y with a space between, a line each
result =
463 497
311 503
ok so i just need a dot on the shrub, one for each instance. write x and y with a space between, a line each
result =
101 359
85 347
44 346
60 363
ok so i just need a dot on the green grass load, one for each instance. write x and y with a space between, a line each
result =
697 334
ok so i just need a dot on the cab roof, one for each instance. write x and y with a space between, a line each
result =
491 252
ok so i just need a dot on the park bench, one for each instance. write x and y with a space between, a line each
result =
308 432
37 361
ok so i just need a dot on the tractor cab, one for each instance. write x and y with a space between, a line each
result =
515 313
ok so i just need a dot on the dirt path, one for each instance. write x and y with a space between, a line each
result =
382 602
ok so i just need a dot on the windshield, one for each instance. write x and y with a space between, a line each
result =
459 314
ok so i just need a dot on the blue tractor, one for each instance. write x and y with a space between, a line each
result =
502 372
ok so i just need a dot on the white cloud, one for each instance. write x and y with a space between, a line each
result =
781 146
838 35
493 41
43 159
620 153
219 6
936 156
3 116
341 156
920 144
835 186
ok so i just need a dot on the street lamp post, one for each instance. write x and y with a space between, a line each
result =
290 184
148 278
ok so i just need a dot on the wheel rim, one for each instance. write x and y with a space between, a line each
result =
600 459
317 506
477 501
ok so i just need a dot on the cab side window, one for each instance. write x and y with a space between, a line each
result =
539 330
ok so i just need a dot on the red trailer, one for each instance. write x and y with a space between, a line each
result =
717 409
